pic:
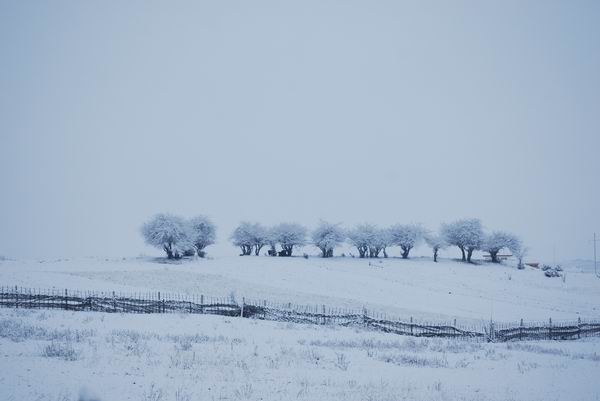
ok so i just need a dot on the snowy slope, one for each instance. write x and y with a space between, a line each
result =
56 355
415 287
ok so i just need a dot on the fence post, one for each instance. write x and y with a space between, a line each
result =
324 316
492 336
411 326
201 303
17 297
66 300
264 309
365 317
550 328
242 308
579 327
521 331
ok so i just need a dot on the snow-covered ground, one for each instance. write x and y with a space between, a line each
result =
415 287
64 356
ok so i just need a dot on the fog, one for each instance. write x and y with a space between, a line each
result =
388 112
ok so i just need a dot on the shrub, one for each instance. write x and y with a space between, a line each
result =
61 350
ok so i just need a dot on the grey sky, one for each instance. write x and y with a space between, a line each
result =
349 111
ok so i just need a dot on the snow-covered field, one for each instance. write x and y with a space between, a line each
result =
63 356
415 287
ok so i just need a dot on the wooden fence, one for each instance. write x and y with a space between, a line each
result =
157 302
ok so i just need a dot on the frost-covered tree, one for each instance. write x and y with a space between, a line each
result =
169 233
261 236
243 236
250 237
362 237
327 236
289 235
272 241
406 236
520 252
436 243
369 240
379 242
499 240
466 234
202 233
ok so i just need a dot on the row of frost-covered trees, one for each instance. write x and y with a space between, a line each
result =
371 241
180 237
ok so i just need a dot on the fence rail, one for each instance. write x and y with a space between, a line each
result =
156 302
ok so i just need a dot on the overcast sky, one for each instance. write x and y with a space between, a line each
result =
387 112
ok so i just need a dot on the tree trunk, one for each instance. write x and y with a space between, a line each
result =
168 251
361 251
469 254
257 249
384 253
435 253
462 249
405 252
494 255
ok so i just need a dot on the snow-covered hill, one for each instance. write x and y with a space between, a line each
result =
415 287
58 355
